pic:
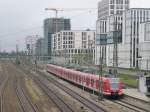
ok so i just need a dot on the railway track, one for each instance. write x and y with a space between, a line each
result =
130 106
119 102
2 89
56 98
88 103
24 99
143 107
3 82
92 106
61 104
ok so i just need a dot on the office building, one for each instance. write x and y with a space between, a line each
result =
109 26
112 7
144 46
51 26
131 34
67 44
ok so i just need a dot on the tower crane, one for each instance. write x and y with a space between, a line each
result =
56 10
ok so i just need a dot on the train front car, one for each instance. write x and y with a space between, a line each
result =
115 87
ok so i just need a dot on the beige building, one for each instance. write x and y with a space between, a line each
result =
67 44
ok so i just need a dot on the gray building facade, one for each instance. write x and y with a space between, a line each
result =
39 47
109 25
51 26
132 20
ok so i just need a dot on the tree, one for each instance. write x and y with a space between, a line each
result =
82 58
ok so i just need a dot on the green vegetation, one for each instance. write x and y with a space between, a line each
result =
133 69
82 58
129 80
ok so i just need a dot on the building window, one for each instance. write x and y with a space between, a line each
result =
111 12
126 1
75 50
111 1
111 6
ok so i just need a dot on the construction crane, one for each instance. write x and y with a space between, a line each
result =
56 10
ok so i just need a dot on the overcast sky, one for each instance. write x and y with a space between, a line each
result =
20 18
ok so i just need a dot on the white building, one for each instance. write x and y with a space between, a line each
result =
31 44
132 19
133 46
111 7
131 49
144 45
109 22
66 44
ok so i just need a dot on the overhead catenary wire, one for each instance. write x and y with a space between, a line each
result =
38 27
8 35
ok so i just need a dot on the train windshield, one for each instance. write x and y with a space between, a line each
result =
114 83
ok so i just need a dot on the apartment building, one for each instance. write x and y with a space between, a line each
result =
68 43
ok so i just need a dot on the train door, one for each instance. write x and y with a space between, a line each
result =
97 84
87 81
84 80
79 79
92 82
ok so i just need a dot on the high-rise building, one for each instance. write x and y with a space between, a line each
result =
133 51
109 25
112 7
51 26
131 25
144 46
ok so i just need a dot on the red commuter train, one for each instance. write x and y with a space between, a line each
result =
111 86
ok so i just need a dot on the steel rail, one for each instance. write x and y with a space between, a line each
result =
61 104
74 94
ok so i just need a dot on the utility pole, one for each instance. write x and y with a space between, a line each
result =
115 48
88 51
147 67
101 76
65 54
100 97
17 54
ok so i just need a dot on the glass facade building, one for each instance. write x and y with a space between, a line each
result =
51 26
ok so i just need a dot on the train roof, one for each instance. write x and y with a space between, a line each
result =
90 75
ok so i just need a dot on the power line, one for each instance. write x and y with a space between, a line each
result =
38 27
